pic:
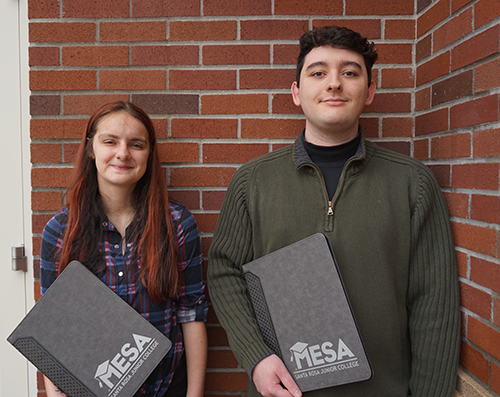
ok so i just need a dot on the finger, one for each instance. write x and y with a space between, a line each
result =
276 391
289 384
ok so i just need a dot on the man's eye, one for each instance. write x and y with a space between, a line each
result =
317 74
350 74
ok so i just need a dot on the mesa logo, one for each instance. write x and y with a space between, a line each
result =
320 359
118 371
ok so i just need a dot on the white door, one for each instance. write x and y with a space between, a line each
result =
16 288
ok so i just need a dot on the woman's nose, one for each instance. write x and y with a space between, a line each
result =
123 152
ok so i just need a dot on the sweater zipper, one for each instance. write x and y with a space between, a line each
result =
330 215
330 208
330 212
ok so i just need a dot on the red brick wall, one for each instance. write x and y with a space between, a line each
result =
215 74
457 133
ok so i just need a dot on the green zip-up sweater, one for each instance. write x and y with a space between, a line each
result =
390 231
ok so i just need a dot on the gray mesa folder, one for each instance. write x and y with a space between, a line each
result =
87 340
304 314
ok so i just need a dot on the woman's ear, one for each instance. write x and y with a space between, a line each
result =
89 149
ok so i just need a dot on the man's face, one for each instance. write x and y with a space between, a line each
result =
333 91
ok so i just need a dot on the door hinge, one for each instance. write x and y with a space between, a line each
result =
19 260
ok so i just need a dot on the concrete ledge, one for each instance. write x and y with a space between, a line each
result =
468 387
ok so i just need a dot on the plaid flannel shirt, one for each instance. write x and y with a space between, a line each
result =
119 275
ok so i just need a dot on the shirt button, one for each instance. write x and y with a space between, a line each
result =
117 246
120 274
129 245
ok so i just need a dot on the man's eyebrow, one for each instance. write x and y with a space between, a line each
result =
343 63
315 64
352 63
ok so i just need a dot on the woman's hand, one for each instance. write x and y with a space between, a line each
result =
51 389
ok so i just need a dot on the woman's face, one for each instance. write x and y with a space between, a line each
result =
121 150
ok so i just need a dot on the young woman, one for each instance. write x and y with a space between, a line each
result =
120 223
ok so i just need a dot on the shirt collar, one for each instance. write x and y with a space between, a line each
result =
302 157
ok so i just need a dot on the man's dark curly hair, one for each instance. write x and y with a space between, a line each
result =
336 37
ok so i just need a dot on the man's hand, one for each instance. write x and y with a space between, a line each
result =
270 374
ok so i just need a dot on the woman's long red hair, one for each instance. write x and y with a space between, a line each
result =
154 237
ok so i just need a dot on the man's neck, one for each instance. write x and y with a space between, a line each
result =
329 138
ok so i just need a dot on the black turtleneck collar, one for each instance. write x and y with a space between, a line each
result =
328 154
331 160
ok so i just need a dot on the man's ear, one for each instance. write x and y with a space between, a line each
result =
371 94
295 94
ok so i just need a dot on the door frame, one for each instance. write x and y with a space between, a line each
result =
19 291
26 172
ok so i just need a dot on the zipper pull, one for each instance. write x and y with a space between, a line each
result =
330 208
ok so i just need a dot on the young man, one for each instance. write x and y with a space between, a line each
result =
386 219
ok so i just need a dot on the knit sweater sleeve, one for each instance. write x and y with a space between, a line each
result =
231 248
433 297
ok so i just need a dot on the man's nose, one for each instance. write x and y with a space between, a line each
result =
334 83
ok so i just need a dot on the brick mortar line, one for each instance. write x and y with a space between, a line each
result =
198 189
470 192
197 43
487 323
461 161
180 116
480 287
450 133
455 102
227 18
220 370
477 223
